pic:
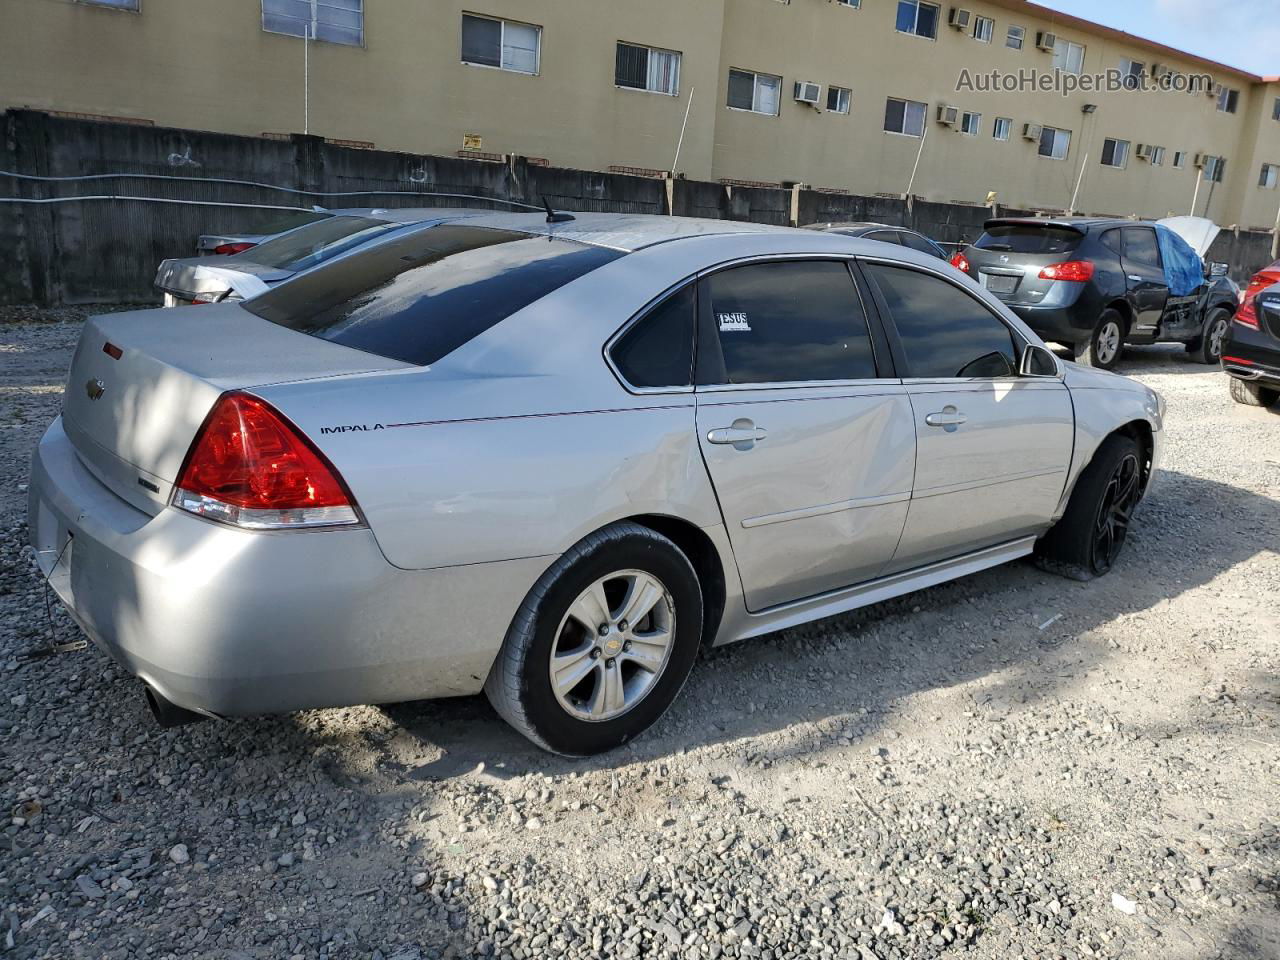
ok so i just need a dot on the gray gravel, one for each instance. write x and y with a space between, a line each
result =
930 777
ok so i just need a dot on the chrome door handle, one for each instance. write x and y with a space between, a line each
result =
743 434
1135 279
949 417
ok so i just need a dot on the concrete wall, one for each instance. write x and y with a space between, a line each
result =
103 251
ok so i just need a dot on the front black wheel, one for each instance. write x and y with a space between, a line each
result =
1208 348
1105 344
1087 540
602 644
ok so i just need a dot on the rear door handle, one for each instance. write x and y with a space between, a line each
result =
743 434
948 417
1135 279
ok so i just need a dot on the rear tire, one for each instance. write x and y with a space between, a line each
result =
1252 394
1087 540
576 689
1208 348
1105 344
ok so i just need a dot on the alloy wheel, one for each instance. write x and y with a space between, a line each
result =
1114 513
1217 333
612 645
1108 342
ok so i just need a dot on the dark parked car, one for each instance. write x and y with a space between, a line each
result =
886 234
1096 284
1251 352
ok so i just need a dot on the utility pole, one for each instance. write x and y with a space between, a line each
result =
308 32
680 143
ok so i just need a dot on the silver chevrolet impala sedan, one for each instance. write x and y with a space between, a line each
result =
551 460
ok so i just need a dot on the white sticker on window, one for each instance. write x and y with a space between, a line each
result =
733 322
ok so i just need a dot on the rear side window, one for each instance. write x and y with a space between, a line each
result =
316 242
1028 238
785 322
658 350
945 332
1114 242
1140 246
420 296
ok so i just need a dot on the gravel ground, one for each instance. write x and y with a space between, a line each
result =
1013 765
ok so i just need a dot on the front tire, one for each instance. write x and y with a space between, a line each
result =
1208 348
1252 394
602 643
1105 344
1087 540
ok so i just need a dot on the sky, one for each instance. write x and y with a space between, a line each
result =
1239 33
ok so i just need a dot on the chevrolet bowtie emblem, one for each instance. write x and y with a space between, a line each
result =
95 388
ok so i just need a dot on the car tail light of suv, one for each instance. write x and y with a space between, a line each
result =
1073 271
960 262
250 467
1247 315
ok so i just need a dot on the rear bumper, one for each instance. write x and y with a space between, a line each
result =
229 622
1250 354
1062 317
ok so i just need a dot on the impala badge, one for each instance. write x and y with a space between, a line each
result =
95 388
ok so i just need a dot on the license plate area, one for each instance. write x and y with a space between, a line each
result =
999 283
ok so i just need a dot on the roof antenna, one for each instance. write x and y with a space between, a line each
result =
552 216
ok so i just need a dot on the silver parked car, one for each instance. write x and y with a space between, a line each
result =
228 244
553 460
199 280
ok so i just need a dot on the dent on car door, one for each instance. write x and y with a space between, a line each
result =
810 452
992 448
1144 272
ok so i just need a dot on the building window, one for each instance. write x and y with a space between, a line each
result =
1055 143
504 44
1215 168
918 18
838 99
971 123
1157 156
116 4
905 117
1115 153
855 4
1131 72
757 92
1270 176
1067 56
1275 110
1003 127
1179 159
1016 37
333 21
1228 99
646 68
984 29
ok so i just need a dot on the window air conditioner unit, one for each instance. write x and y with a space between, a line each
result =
949 116
1214 90
1032 131
1158 70
1144 151
1200 160
960 18
807 92
1046 40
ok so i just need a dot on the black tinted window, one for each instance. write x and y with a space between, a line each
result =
787 322
420 296
944 331
1027 238
1140 246
884 236
316 242
924 245
658 350
1113 241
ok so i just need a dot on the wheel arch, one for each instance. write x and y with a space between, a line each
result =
1122 307
1139 430
706 560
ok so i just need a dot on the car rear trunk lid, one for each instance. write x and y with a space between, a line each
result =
142 382
1008 257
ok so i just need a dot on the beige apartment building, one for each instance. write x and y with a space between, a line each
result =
865 96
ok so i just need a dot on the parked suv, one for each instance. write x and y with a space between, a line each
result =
1251 352
1097 284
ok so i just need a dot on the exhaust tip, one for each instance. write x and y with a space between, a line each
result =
169 714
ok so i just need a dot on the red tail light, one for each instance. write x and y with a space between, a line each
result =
1073 271
1247 315
960 262
227 249
251 467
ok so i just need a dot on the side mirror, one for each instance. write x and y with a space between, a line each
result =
1037 361
1219 269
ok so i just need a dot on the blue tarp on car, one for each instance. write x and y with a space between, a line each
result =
1183 268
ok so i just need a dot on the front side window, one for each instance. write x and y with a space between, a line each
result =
1016 37
945 332
905 117
757 92
984 29
1004 125
1067 56
658 350
1055 143
1228 100
420 296
1115 153
838 99
918 18
971 123
334 21
647 68
1140 246
505 44
1270 175
786 322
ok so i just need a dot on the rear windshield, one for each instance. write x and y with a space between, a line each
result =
316 242
419 297
289 221
1027 238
